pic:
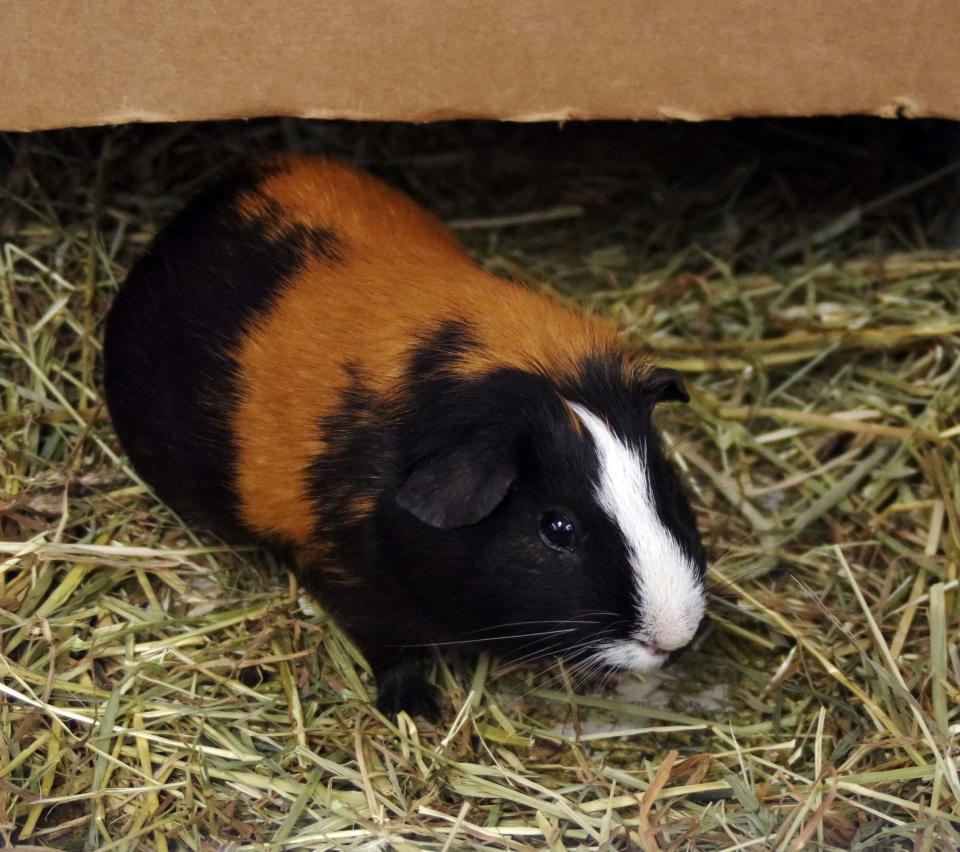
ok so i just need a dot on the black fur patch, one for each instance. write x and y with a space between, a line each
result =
169 377
418 583
439 348
360 465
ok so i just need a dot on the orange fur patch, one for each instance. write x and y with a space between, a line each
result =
362 505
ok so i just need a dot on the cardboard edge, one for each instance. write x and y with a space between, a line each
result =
896 108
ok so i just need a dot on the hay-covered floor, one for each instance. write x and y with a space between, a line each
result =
163 691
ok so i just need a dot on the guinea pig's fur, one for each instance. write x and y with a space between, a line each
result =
307 357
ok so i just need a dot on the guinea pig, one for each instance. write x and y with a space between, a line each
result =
307 358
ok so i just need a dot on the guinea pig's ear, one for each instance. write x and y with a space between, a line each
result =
458 488
666 385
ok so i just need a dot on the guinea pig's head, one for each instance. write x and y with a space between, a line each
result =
543 516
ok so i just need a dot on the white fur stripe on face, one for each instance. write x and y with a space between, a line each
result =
669 594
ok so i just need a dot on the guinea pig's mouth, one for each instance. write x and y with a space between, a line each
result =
633 655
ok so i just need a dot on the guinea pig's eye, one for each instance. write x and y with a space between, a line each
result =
557 530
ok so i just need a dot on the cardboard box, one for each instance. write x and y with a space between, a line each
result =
81 62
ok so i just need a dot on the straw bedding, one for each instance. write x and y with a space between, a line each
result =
162 690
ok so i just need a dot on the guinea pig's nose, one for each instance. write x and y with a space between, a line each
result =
671 630
650 648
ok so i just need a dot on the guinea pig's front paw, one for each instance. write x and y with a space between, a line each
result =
402 687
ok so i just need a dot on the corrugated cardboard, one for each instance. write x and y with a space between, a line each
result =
79 62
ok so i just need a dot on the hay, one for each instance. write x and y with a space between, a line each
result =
161 690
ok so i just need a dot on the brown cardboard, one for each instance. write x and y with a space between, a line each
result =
79 62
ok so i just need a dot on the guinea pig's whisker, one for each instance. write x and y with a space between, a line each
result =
532 656
487 639
672 446
522 623
564 671
720 590
537 646
586 642
718 562
568 657
540 653
564 664
586 670
604 612
535 654
589 653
